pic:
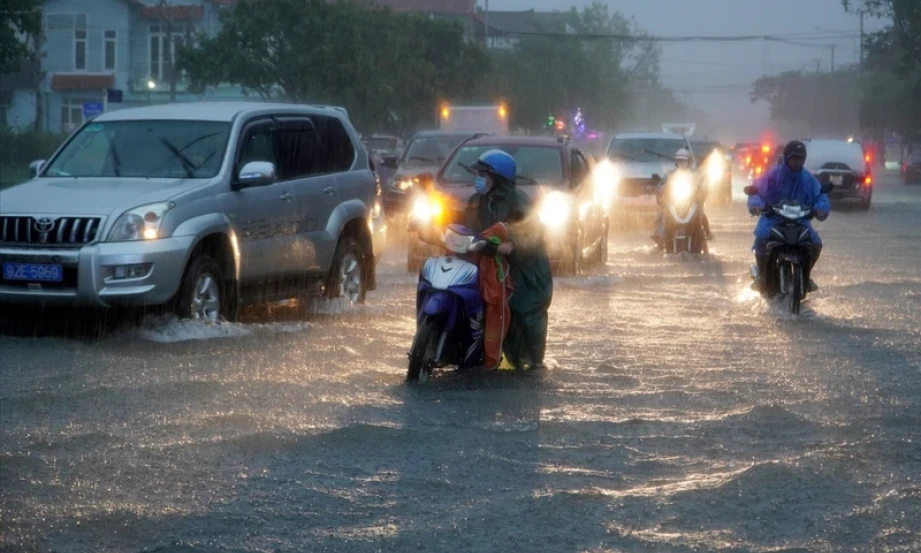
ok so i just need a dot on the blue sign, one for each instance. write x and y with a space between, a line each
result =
92 109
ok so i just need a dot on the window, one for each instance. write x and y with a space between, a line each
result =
579 169
338 152
80 42
536 164
299 149
108 51
257 145
160 54
72 112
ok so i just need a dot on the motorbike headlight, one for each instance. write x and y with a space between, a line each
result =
426 209
140 223
555 209
715 169
682 189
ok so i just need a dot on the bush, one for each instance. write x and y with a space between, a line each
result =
18 149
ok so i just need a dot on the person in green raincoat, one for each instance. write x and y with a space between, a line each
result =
498 200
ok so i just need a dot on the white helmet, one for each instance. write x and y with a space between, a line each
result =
683 154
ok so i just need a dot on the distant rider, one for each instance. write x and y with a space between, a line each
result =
682 164
788 181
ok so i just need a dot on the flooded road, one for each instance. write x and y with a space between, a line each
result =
679 413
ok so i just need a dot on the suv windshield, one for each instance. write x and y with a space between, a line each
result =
156 149
644 149
702 150
430 150
536 164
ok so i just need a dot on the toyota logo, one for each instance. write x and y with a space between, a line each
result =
45 224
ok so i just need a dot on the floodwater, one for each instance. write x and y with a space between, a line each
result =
679 413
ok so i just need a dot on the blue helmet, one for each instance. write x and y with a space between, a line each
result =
497 162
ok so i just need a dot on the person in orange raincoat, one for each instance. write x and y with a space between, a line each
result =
496 288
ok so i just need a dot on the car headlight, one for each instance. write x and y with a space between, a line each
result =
555 210
605 179
682 189
426 209
140 223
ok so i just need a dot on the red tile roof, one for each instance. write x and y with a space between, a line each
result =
80 81
453 7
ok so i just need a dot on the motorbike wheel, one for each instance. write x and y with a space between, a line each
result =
796 287
422 352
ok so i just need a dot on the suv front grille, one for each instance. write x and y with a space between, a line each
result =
47 231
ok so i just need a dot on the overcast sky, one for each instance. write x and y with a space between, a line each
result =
717 77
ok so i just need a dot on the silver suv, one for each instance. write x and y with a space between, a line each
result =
202 207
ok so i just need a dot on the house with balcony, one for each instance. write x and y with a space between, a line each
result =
109 54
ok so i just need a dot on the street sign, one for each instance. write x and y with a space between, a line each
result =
92 109
114 95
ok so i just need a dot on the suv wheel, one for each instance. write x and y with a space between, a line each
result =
202 295
347 274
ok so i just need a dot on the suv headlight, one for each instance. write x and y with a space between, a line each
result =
401 184
555 210
140 223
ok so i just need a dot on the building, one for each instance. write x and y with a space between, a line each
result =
94 46
505 28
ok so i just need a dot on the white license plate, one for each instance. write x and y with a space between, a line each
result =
33 272
837 180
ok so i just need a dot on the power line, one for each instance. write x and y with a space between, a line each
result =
785 38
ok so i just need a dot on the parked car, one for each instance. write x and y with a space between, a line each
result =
202 207
556 175
638 158
716 169
845 165
911 169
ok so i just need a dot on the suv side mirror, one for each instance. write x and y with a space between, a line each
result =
35 167
256 173
390 161
827 187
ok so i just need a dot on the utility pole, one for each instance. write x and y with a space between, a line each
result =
860 65
486 24
833 46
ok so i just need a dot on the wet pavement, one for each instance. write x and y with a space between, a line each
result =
680 413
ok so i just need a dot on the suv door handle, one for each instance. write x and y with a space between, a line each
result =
287 197
329 190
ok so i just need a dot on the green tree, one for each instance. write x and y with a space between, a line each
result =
389 69
826 102
19 19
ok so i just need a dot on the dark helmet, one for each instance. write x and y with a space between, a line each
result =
794 148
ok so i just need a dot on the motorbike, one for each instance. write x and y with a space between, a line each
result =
789 250
449 308
682 218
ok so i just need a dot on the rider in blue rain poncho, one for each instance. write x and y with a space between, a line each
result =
787 181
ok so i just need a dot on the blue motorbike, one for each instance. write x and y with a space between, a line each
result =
449 308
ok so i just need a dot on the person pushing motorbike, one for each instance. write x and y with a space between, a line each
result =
788 181
498 200
682 164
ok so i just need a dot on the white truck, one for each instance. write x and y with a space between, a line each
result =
491 119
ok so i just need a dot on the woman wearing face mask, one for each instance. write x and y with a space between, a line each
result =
498 200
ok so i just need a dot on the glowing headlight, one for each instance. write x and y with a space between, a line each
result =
715 169
554 210
140 223
402 185
426 209
605 178
682 189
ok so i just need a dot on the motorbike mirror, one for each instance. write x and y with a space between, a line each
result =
827 187
476 246
750 191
